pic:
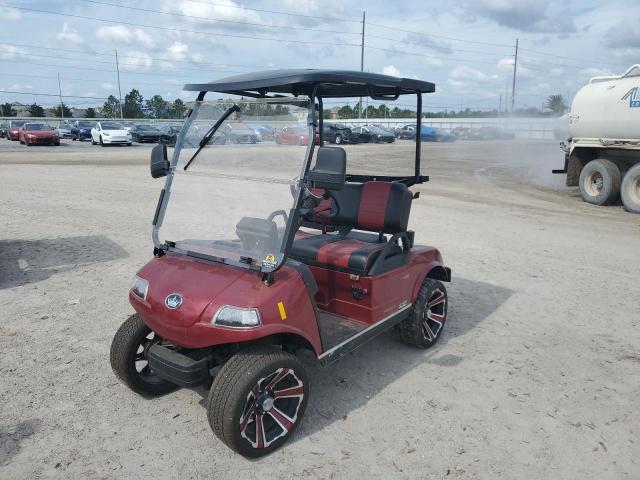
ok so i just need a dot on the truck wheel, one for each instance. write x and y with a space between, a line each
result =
630 190
129 359
424 325
257 400
600 182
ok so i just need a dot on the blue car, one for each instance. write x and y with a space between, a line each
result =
81 130
431 134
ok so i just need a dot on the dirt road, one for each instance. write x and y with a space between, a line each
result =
536 376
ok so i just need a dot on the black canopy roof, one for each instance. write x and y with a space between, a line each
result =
332 83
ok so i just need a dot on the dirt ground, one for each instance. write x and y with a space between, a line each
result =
536 376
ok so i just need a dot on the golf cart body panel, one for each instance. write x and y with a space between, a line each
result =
205 287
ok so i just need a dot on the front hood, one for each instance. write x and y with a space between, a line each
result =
198 282
40 134
116 133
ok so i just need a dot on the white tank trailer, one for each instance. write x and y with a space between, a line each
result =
602 156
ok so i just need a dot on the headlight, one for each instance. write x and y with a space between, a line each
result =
140 287
229 316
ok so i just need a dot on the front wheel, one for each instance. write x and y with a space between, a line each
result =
338 139
101 141
424 325
129 359
257 400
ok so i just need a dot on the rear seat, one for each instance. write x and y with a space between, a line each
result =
380 207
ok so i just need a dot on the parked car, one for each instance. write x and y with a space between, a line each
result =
81 130
294 136
338 133
169 134
406 132
145 133
3 130
239 133
264 132
38 134
373 134
13 129
110 133
432 134
64 130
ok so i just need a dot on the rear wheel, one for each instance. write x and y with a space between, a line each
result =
338 139
257 400
424 325
600 181
129 359
630 190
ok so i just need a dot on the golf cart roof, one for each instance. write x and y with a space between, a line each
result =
332 83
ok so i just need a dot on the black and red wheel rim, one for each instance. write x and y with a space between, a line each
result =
435 313
272 407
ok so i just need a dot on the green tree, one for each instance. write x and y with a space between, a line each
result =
7 111
90 112
65 110
36 110
345 112
178 109
156 107
133 105
111 108
556 104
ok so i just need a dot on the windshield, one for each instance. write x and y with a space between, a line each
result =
147 128
233 201
36 127
16 124
111 126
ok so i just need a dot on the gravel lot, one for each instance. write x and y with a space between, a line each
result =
536 376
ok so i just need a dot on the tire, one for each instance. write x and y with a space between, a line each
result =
73 139
129 144
630 190
248 377
101 142
338 140
419 329
130 337
600 181
57 144
93 142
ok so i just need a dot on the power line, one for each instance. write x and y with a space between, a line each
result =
422 34
569 58
52 95
405 41
236 22
426 55
181 30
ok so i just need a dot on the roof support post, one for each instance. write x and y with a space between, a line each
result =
418 133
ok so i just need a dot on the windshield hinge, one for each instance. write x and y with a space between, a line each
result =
268 278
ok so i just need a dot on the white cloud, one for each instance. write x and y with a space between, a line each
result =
221 10
122 34
69 34
8 52
136 60
10 13
391 70
17 87
595 72
106 86
178 51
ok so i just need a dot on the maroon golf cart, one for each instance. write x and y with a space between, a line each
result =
263 249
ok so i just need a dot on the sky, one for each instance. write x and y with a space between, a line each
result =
465 47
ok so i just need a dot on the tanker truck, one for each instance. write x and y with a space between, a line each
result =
602 155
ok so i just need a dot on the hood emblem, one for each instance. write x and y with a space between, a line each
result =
173 301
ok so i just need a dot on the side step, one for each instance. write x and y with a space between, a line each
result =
348 345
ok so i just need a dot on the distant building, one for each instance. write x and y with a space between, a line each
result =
21 109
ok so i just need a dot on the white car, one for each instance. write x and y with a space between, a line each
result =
110 133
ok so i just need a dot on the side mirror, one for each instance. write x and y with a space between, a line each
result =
159 162
330 170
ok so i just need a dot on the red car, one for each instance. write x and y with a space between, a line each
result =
13 129
294 136
38 134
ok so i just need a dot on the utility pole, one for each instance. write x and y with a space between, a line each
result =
362 58
513 87
119 90
60 93
500 105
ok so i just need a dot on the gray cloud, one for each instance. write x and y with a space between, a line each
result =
542 16
428 42
623 35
